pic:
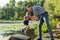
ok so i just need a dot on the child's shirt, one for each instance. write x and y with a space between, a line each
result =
26 18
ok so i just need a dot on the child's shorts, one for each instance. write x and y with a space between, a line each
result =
26 22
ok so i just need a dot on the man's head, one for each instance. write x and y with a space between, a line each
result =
29 8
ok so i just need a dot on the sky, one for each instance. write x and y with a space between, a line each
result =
4 2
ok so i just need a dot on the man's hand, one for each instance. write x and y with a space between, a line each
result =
34 18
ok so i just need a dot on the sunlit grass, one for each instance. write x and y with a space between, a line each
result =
18 26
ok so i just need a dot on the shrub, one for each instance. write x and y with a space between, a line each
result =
44 27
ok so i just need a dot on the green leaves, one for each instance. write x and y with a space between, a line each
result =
53 8
16 11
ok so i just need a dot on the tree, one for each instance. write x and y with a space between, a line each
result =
11 9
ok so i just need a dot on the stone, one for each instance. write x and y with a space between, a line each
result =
19 37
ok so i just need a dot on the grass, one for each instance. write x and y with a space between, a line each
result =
17 26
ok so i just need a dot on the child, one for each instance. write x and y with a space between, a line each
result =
27 17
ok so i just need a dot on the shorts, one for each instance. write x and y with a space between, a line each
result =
26 22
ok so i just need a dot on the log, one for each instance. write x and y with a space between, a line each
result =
19 37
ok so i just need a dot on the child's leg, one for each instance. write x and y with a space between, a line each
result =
24 28
27 27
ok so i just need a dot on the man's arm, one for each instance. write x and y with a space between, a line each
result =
34 18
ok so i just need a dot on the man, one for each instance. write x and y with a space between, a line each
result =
41 13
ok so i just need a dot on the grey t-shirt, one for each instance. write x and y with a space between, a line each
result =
38 10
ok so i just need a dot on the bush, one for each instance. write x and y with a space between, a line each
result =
44 27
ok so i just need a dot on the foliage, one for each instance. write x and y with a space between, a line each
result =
52 23
16 11
52 6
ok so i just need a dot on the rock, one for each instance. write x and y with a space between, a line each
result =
19 37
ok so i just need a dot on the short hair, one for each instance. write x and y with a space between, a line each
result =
28 6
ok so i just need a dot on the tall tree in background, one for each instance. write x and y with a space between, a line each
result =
11 9
16 11
1 11
20 9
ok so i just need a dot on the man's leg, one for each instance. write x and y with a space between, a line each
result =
40 29
48 26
